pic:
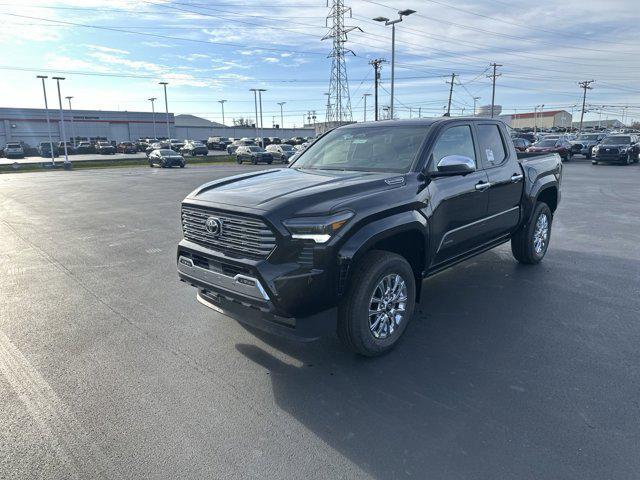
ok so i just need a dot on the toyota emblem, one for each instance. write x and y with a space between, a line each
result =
213 225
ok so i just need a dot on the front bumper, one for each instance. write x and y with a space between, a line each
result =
616 157
282 299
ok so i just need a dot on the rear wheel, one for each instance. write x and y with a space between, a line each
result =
379 304
529 245
594 162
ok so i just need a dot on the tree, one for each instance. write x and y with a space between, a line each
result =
242 122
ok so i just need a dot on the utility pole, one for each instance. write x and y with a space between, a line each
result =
376 81
46 111
493 76
73 130
166 106
328 114
153 116
453 78
475 100
221 102
260 90
419 112
365 105
281 114
585 85
63 134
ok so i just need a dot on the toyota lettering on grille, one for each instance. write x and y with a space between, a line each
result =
213 225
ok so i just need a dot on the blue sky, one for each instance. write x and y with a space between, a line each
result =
212 50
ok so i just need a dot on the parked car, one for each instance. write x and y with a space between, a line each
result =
44 150
127 147
175 144
156 146
194 147
529 136
617 149
275 141
253 154
584 143
85 147
281 152
295 141
218 143
70 148
13 150
559 146
244 142
105 148
341 240
165 158
521 144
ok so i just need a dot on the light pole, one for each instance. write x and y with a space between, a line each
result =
221 102
166 106
255 101
260 90
387 22
46 111
62 132
73 130
475 101
365 104
153 116
281 114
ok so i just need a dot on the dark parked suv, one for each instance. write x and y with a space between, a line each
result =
253 154
617 149
341 240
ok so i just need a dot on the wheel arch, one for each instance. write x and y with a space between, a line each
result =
405 234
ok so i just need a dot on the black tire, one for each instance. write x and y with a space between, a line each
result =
269 162
239 161
254 161
629 160
354 328
594 162
588 155
182 165
523 242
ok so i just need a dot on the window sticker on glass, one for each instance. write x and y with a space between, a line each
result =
489 154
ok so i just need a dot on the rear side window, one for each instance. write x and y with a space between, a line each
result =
454 141
492 148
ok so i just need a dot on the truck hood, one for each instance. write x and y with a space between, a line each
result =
303 191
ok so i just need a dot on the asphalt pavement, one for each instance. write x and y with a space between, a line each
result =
110 368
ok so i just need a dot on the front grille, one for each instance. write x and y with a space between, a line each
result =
608 151
240 236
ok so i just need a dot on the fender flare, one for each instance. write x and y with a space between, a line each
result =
371 233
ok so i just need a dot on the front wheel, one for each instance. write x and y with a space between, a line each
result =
529 245
629 159
379 304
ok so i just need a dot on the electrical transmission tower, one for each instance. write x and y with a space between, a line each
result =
339 101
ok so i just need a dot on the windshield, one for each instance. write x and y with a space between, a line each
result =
167 152
104 144
13 145
388 148
286 147
255 149
546 143
587 137
616 140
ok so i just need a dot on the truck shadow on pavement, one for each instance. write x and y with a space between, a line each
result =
498 376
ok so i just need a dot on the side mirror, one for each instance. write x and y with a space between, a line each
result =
455 165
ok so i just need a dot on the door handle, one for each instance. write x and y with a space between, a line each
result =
482 186
516 177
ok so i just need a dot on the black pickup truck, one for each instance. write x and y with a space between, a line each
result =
341 240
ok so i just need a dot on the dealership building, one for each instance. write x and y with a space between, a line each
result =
29 125
544 119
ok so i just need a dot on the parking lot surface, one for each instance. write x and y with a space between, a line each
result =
109 368
89 157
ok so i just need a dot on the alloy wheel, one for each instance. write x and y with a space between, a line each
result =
387 306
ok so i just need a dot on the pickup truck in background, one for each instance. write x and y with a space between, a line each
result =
341 240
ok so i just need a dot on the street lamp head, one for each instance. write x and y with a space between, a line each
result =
381 19
221 101
152 99
69 97
405 13
42 76
57 78
163 83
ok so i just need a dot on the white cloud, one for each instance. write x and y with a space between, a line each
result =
157 45
101 48
271 59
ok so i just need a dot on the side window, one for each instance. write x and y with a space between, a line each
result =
492 147
453 141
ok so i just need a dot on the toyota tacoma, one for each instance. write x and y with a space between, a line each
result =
341 239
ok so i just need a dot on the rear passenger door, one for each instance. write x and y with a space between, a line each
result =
505 178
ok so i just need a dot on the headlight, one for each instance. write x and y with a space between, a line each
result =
595 149
318 229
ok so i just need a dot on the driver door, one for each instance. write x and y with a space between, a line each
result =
459 203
